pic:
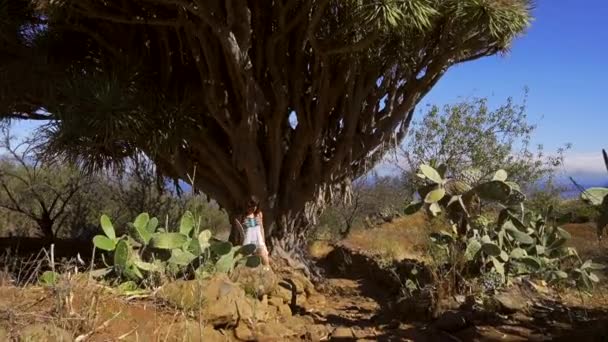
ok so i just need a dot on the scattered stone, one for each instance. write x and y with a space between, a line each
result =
342 332
276 301
284 310
255 281
414 308
282 292
190 331
510 302
217 299
44 332
360 333
4 335
316 332
273 331
452 321
302 284
243 332
298 324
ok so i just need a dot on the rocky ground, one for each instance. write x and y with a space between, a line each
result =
358 300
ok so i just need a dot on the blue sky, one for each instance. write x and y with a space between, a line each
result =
563 59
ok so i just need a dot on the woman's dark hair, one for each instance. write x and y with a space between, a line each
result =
253 202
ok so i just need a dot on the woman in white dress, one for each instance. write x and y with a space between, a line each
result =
252 223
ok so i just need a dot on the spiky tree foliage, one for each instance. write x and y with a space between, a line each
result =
280 99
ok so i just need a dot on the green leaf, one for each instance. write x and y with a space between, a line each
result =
413 208
141 221
493 191
587 264
181 258
532 262
519 236
168 240
516 197
594 278
247 249
564 233
456 187
594 196
514 186
107 227
441 238
491 249
500 175
504 257
146 266
186 223
540 250
104 243
431 174
225 263
498 266
194 247
121 255
561 274
435 209
133 272
253 261
49 278
434 196
221 247
203 239
127 286
141 229
473 247
596 267
152 225
518 253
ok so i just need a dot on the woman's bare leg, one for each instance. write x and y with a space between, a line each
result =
263 253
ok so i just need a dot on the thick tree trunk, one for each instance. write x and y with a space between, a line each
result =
45 223
286 237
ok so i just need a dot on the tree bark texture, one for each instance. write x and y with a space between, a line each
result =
285 100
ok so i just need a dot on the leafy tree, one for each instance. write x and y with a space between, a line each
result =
374 199
284 100
470 135
36 190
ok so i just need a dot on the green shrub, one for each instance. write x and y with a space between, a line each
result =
516 242
185 251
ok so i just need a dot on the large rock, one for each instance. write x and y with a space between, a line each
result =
255 281
452 321
510 302
44 332
190 331
273 331
342 333
270 331
219 300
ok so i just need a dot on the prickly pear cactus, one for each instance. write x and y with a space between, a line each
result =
598 197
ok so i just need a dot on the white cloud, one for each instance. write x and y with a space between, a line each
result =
590 163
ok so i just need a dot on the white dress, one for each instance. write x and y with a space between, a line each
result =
253 232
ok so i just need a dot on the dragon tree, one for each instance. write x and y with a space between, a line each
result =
288 100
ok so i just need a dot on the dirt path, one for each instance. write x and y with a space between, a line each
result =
356 316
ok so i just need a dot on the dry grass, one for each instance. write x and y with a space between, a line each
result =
404 238
320 249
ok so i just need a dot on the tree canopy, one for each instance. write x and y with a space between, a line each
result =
280 99
470 136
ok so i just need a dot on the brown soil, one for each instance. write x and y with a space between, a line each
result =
355 307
